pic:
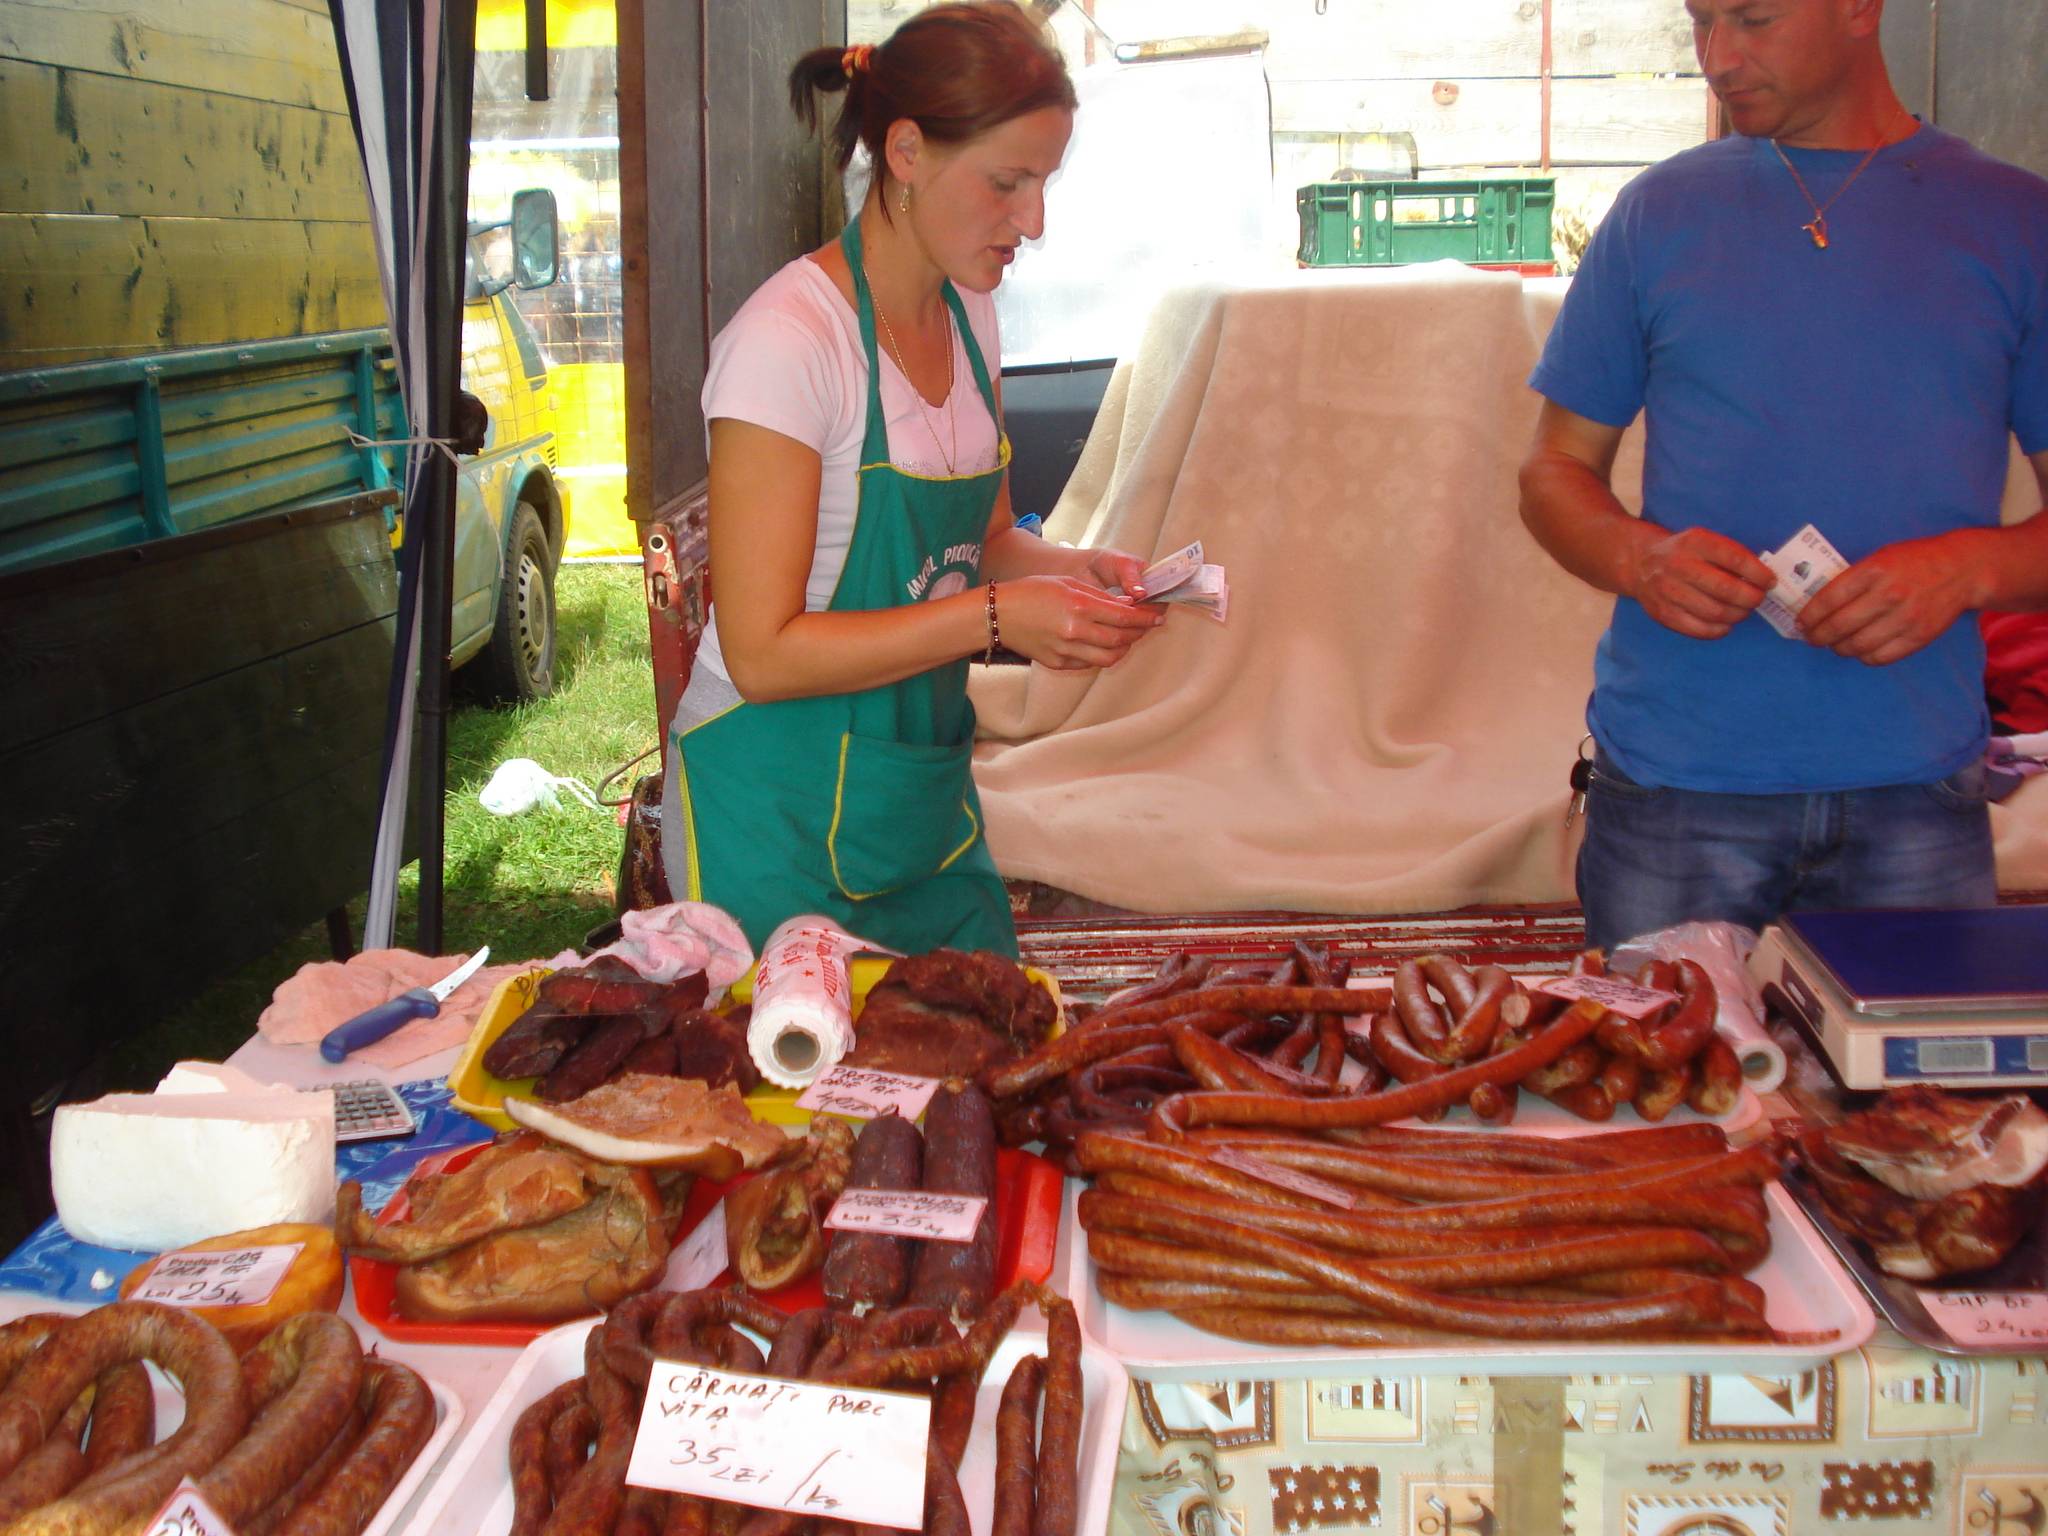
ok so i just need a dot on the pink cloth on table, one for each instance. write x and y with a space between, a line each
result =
327 992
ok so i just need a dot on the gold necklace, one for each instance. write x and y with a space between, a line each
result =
952 421
1818 229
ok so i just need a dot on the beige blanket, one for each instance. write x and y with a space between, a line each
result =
1387 720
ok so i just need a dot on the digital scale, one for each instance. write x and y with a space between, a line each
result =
1957 999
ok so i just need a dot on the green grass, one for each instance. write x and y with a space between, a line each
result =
529 885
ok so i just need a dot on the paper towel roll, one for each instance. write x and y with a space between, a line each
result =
1762 1058
803 1001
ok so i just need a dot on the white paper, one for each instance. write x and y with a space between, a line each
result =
1622 997
699 1258
861 1093
1978 1318
841 1453
186 1513
220 1277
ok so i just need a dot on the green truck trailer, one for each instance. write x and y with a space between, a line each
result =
197 590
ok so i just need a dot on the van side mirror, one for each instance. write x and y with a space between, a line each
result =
536 238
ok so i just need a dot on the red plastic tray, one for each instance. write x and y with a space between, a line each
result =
1028 1196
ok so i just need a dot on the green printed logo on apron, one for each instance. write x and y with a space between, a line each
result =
861 805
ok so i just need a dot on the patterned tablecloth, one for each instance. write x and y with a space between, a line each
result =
1890 1439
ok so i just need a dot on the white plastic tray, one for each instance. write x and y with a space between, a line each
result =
1806 1291
475 1494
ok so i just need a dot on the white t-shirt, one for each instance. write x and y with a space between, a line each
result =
791 361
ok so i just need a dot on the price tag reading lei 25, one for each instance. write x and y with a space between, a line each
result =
841 1453
218 1277
1981 1318
186 1513
908 1213
1622 997
865 1094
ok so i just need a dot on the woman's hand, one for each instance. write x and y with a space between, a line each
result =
1113 568
1069 623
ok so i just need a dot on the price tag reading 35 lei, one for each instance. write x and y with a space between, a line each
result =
218 1277
908 1213
1990 1319
865 1094
839 1453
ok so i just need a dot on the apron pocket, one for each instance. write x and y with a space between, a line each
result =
900 812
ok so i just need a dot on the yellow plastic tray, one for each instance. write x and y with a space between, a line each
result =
480 1094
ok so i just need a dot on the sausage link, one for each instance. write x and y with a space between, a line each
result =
1589 1101
873 1266
49 1471
273 1515
526 1451
1017 1449
960 1159
188 1347
321 1362
1479 1019
568 1442
123 1416
1494 1103
1716 1079
1420 1016
643 1514
1059 1431
1405 1303
398 1413
1580 1064
1077 1048
589 1506
1662 1091
953 1415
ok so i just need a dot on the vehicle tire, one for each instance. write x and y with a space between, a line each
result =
519 663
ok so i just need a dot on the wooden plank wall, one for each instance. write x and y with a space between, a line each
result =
178 174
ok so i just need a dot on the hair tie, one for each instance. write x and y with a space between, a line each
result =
855 60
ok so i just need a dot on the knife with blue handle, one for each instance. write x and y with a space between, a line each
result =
374 1024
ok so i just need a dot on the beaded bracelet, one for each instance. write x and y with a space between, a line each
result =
995 635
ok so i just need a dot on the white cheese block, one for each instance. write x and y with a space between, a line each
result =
153 1171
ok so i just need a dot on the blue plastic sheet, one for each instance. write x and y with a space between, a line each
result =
50 1262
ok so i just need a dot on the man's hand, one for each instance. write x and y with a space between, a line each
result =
1891 603
1699 583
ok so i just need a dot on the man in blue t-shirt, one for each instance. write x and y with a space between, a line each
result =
1838 317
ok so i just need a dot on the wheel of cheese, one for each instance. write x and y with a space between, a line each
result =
310 1279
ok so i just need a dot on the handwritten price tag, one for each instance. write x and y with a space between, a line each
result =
908 1213
2017 1318
219 1277
186 1513
840 1452
701 1257
1288 1178
865 1094
1622 997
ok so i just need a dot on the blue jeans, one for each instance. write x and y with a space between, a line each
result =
1655 857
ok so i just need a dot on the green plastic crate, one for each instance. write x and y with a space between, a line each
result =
1502 221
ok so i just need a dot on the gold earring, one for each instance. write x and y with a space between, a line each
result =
903 203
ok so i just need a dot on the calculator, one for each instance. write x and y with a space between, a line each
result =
368 1110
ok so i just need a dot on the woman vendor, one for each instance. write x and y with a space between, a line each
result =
863 549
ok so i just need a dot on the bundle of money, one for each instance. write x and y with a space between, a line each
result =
1183 577
1805 564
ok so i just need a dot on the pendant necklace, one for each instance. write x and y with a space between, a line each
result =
924 410
1818 228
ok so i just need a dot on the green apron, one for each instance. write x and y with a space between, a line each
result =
861 805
